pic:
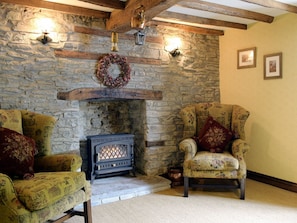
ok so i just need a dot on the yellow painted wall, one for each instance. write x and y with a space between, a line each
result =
272 126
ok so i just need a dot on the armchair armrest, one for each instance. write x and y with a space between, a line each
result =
9 205
239 149
189 146
57 162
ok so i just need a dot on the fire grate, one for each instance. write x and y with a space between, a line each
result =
113 152
110 155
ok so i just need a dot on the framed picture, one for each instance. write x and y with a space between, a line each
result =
246 58
273 66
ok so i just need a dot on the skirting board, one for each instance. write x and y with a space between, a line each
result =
286 185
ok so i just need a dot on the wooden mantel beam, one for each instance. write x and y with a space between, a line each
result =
120 20
111 93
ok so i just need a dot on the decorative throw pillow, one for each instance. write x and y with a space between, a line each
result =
213 136
16 154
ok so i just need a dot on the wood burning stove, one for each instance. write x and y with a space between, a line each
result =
110 155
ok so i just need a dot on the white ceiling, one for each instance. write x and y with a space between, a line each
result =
188 11
231 3
81 4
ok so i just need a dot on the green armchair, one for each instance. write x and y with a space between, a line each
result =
214 145
35 185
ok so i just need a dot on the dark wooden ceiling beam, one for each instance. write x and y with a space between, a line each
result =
120 20
60 7
114 4
187 28
226 10
199 20
274 4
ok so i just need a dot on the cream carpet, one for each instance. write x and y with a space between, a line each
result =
263 204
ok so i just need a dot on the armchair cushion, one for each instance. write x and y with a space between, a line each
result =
47 188
11 119
212 161
16 154
213 136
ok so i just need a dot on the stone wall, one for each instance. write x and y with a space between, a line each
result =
31 75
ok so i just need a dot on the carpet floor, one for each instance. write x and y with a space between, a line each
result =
263 204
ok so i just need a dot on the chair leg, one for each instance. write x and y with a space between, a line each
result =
88 211
242 188
186 186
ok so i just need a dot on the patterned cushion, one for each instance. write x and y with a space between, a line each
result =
47 188
213 161
16 154
213 136
11 119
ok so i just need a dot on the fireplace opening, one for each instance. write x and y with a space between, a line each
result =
109 155
114 117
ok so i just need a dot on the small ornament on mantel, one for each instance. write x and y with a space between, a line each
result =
114 41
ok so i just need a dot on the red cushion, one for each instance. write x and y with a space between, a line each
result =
213 136
16 154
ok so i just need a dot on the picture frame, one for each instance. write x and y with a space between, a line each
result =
246 58
273 66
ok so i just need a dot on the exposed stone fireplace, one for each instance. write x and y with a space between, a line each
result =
117 116
114 117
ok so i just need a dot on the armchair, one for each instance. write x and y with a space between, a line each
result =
214 145
35 185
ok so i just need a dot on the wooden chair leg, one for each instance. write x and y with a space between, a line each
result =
88 211
186 186
242 189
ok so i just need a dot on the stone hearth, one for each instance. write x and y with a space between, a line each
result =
106 190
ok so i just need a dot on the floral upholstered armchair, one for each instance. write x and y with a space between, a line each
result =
214 144
35 185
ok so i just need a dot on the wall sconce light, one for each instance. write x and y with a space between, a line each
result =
45 25
44 38
138 18
139 38
114 41
175 52
172 46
